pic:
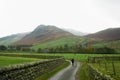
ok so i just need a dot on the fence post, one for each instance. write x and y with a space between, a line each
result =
113 66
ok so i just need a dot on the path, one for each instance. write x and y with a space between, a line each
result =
67 73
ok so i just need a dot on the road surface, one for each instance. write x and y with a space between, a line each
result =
67 73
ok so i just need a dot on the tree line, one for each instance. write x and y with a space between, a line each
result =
16 48
77 48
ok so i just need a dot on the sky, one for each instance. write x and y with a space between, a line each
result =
18 16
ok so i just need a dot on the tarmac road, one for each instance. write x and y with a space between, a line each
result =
67 73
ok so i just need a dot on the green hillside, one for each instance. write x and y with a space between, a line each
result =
8 40
60 42
111 44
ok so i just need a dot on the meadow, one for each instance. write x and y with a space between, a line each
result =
6 61
76 56
79 57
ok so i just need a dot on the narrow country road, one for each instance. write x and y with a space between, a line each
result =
67 73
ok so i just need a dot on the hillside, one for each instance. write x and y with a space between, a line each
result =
8 40
70 41
111 44
43 33
108 34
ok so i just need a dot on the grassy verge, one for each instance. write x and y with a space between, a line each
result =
49 74
83 74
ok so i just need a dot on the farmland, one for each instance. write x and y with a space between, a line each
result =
5 61
80 57
76 56
14 66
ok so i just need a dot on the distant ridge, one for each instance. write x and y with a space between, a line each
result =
43 33
107 34
75 32
8 40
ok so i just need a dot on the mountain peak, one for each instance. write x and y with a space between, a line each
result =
45 26
43 33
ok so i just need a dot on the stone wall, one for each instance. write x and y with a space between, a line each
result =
29 71
94 74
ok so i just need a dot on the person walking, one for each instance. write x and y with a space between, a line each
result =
72 61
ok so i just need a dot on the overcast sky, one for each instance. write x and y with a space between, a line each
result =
18 16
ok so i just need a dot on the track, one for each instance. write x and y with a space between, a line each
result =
67 73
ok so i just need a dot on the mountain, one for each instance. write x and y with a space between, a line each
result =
108 34
43 33
75 32
8 40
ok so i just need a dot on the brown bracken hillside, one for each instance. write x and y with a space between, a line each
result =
107 35
43 34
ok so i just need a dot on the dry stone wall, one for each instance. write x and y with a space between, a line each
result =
29 71
94 74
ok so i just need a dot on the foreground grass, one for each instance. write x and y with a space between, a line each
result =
47 75
6 61
83 74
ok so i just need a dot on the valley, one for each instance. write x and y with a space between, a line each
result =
49 45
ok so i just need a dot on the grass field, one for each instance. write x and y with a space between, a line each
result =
6 61
80 57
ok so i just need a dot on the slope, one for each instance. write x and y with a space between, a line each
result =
108 34
60 42
112 44
8 40
43 33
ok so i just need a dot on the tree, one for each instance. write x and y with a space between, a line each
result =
3 48
105 50
39 50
